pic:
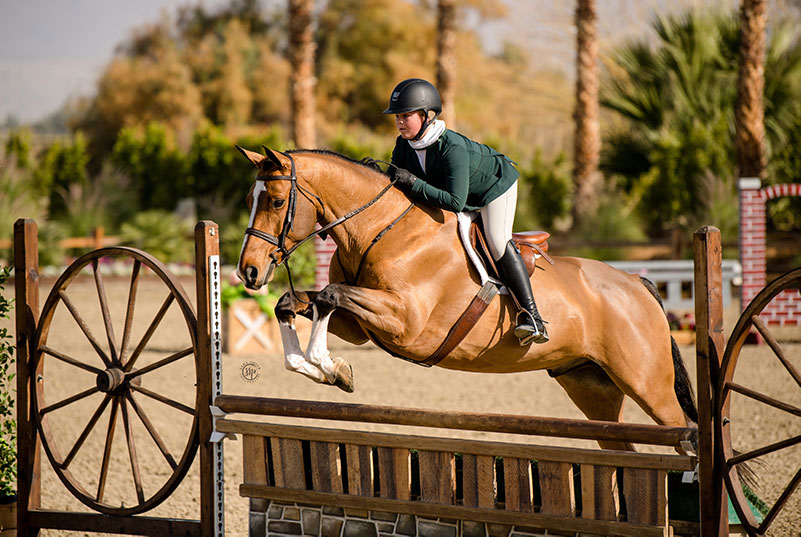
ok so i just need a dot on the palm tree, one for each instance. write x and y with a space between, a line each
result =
446 58
750 89
587 141
679 96
301 56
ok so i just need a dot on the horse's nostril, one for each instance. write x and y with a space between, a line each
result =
251 274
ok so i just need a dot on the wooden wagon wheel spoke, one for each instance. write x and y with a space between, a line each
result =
129 436
777 507
152 430
69 360
129 311
85 329
158 397
762 398
736 451
776 446
101 293
112 424
69 400
85 433
776 347
149 332
161 363
116 378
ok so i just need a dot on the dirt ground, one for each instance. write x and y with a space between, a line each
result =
380 379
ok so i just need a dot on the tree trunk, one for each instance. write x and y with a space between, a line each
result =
587 141
446 58
302 81
750 88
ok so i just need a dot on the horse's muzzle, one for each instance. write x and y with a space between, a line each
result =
253 278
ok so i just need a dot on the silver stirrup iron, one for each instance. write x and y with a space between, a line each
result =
530 332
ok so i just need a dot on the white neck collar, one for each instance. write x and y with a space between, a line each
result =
432 134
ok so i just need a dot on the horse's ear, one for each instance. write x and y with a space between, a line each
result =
272 156
252 156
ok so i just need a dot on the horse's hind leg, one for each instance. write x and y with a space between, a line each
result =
594 393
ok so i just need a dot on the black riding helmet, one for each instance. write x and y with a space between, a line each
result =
415 94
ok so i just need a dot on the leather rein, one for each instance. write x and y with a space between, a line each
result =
289 219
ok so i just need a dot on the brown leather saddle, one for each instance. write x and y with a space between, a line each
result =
530 243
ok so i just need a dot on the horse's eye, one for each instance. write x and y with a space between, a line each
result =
277 204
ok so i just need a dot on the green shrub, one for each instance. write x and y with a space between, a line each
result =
612 221
18 198
8 425
157 169
544 191
232 293
160 233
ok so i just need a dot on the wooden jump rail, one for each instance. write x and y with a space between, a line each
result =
446 478
472 421
438 479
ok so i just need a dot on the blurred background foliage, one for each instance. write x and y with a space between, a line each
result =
161 126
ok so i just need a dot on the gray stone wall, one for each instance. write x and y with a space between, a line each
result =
278 519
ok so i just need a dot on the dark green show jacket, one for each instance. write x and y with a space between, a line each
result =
460 174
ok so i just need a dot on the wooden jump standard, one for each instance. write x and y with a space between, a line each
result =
457 483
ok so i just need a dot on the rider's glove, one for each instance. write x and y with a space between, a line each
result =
371 162
403 179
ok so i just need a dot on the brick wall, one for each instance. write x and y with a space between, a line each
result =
784 309
752 239
323 250
278 519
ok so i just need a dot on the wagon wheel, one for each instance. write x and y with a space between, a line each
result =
738 392
118 386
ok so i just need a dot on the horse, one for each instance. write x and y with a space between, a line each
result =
401 278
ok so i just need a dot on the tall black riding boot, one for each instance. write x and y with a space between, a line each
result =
530 326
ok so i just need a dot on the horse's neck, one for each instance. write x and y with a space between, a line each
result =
344 187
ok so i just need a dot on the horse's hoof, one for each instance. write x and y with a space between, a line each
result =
344 372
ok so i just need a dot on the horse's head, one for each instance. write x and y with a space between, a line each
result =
278 218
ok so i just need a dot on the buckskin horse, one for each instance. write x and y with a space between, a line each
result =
408 279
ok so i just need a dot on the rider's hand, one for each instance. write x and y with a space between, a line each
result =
403 179
371 162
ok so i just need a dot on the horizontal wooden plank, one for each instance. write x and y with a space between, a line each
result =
450 419
432 510
94 522
597 457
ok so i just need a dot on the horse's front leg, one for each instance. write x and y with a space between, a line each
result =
287 308
316 363
385 314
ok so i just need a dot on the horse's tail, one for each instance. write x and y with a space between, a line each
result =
681 382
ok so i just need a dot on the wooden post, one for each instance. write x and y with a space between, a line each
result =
709 353
26 282
209 330
97 236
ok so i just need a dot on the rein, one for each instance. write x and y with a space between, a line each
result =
289 218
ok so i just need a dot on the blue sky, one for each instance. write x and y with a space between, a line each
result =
51 50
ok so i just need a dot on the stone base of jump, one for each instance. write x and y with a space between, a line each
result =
276 519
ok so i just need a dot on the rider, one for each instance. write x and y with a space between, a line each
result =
452 172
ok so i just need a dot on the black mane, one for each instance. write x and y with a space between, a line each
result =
330 153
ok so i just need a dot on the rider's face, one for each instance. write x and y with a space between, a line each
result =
409 124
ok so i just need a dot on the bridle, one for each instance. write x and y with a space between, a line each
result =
289 218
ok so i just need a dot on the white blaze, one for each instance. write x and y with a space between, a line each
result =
257 190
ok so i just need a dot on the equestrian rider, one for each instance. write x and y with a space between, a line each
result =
452 172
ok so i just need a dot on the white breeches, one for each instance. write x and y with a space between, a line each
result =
498 218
